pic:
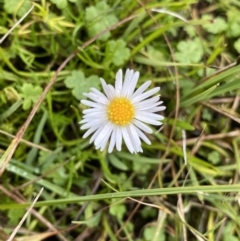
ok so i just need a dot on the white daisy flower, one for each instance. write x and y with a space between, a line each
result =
120 113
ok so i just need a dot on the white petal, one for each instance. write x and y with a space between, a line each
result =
118 82
143 136
91 123
96 114
91 104
97 98
95 135
112 141
142 126
147 106
106 129
149 115
132 84
156 109
148 103
134 137
96 91
102 147
149 120
83 121
127 139
119 138
91 110
91 130
112 91
127 81
105 88
96 111
145 95
104 141
141 89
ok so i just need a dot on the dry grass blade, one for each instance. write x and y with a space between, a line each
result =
25 216
223 112
26 142
16 24
36 237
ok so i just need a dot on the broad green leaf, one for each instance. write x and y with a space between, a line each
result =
79 84
228 86
91 218
137 158
30 95
228 232
214 79
182 124
11 6
237 45
206 114
117 163
59 176
99 18
149 233
199 97
117 52
15 215
118 210
233 24
214 157
142 168
91 221
11 110
189 51
26 174
148 212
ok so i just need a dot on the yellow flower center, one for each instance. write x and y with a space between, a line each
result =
120 111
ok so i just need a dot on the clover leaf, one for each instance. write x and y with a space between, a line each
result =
216 25
118 210
30 94
79 84
59 176
189 51
10 6
117 52
99 18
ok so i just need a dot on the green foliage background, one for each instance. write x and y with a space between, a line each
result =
189 176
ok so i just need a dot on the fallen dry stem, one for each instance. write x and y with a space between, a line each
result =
18 198
25 216
16 24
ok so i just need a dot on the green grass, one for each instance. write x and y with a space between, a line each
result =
185 186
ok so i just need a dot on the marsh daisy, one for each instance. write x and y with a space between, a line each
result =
121 113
